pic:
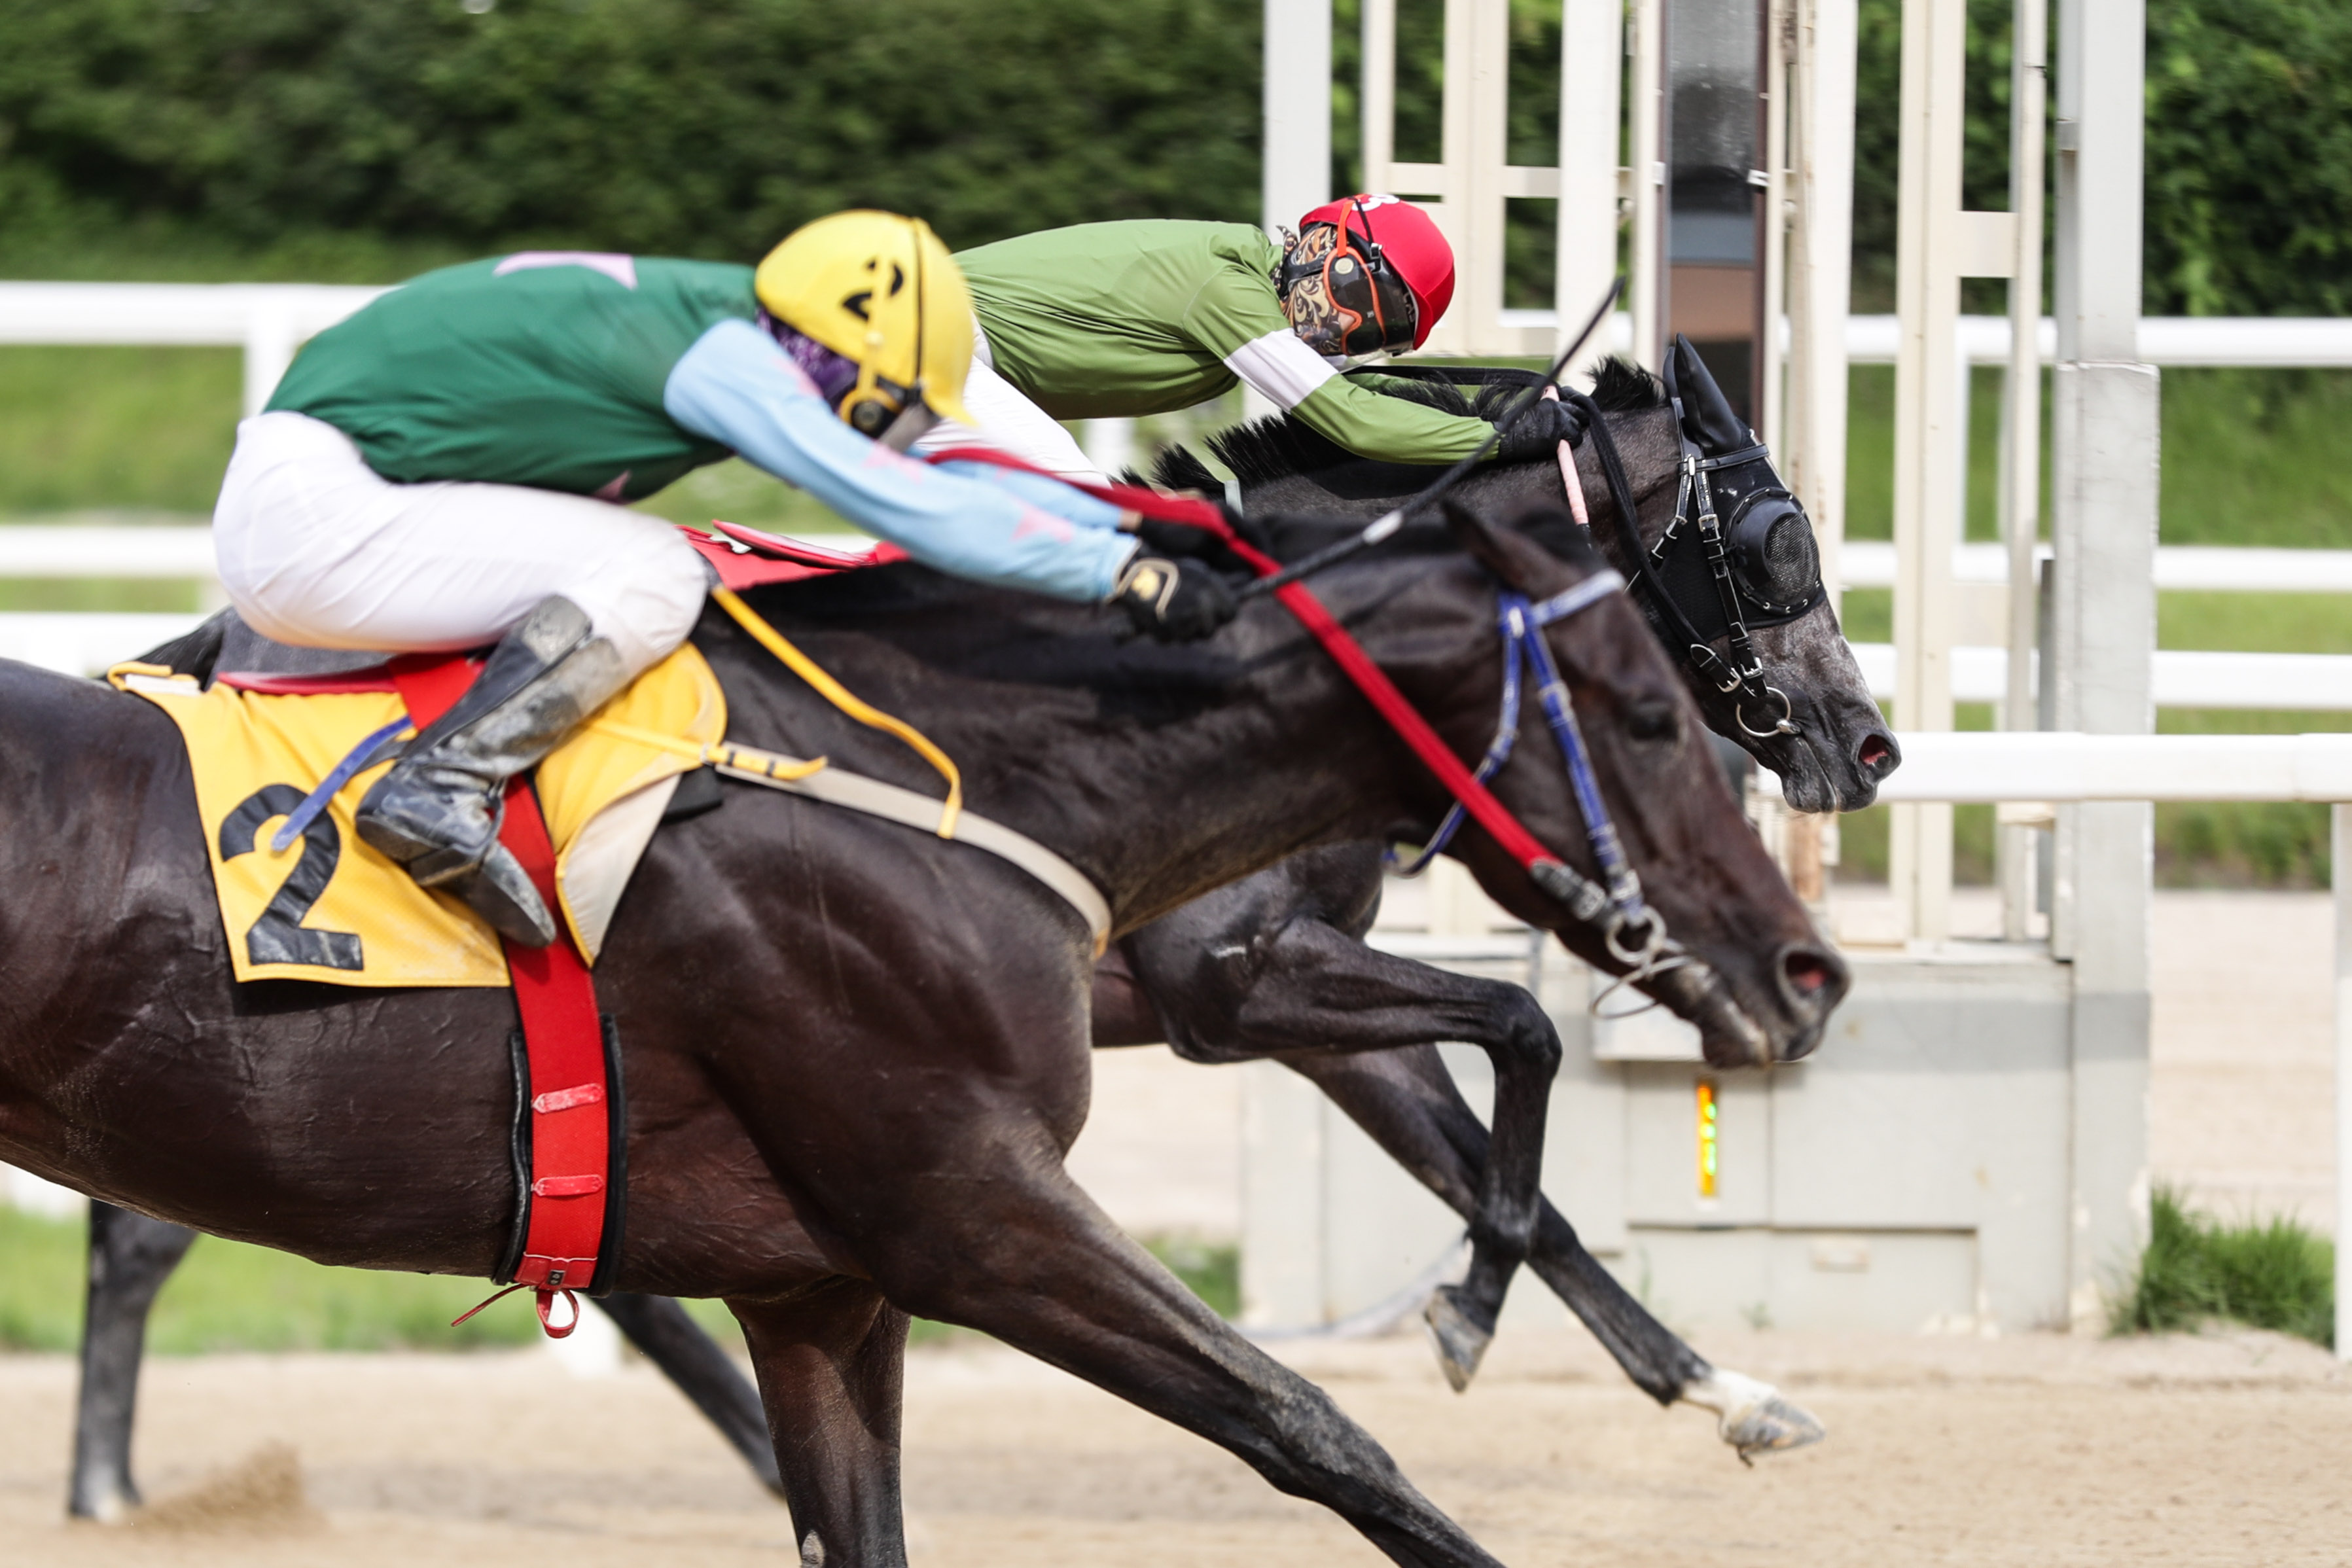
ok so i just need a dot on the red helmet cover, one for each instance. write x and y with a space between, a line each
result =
1409 240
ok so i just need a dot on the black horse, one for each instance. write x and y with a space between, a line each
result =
1294 983
855 1055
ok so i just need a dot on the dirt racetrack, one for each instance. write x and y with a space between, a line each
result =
2036 1450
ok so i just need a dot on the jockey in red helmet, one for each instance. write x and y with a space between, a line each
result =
1110 320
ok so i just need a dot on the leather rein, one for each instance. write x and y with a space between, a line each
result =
1633 933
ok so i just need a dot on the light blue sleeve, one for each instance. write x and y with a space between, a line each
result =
736 387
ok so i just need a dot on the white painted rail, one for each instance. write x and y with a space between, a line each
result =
2180 568
2241 682
2050 765
268 320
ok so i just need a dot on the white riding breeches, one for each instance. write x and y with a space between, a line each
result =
319 550
1013 425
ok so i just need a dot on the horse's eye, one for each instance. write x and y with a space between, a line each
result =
1651 721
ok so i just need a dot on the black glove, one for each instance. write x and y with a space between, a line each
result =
1182 541
1173 601
1539 432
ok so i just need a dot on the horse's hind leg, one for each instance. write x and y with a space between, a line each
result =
1023 1255
703 1372
831 1368
1410 1105
130 1256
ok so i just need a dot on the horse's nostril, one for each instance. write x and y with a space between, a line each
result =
1877 751
1808 972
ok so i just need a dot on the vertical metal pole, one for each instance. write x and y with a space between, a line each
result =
2021 446
1483 84
1296 172
1772 357
1294 164
1377 92
2103 431
2340 859
1819 284
1926 474
1820 268
1648 90
1591 59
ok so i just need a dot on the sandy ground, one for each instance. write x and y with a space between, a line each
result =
2035 1450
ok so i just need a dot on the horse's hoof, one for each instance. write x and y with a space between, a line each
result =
1770 1425
1460 1342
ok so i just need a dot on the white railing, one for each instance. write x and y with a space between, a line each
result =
2182 568
2056 767
268 320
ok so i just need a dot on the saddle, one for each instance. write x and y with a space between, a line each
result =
282 743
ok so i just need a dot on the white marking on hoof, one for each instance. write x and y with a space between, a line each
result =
1755 1418
812 1551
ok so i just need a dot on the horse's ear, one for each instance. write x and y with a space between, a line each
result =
1491 550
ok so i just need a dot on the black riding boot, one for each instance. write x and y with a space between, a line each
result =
438 811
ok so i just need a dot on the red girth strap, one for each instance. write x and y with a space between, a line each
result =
1346 652
571 1153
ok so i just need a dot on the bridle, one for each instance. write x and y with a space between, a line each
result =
1703 579
1633 933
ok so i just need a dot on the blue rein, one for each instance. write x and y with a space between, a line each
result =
1632 932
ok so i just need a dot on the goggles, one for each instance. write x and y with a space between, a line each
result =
1377 312
885 412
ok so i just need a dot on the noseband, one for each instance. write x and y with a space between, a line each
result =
1630 928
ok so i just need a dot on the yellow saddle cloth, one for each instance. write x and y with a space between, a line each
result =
330 908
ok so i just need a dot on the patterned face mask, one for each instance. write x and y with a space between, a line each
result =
1343 297
833 374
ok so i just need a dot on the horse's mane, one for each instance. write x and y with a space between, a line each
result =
1282 446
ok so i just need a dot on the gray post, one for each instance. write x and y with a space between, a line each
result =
2104 522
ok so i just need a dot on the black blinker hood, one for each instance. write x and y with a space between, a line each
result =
1708 422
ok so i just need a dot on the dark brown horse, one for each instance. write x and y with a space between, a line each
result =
855 1055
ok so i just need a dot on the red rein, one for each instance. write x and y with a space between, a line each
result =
1476 799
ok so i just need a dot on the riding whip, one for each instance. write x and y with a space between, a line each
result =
1386 524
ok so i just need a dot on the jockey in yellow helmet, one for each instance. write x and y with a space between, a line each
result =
446 469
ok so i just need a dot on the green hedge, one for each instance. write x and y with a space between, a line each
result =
2249 181
367 135
694 127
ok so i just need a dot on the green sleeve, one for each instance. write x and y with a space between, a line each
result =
1234 315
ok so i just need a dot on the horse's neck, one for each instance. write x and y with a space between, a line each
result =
1158 773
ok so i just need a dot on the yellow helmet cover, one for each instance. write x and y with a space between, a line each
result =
881 290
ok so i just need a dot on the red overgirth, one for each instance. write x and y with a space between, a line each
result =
1346 652
570 1120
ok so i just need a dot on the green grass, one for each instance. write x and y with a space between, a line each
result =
231 1297
2197 1269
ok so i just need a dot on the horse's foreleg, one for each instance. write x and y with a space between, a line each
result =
1023 1255
832 1365
130 1256
1409 1104
1317 992
703 1372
